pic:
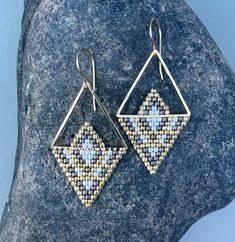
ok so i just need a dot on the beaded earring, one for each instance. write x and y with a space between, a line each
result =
88 162
154 129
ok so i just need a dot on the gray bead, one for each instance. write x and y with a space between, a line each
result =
62 156
87 169
82 188
87 197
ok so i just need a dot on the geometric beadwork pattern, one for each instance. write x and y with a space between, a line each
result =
151 136
87 163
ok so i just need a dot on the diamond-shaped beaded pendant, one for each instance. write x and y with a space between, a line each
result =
87 163
152 137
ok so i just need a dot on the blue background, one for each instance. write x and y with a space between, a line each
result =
219 18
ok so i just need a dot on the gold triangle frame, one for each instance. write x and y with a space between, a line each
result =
154 53
66 119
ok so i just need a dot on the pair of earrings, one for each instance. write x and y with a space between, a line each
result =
88 162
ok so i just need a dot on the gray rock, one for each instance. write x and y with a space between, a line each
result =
196 178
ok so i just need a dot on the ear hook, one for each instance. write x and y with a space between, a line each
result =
87 78
158 27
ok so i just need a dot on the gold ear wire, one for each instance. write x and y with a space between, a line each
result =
85 77
157 24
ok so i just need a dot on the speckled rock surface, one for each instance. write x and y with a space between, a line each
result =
196 178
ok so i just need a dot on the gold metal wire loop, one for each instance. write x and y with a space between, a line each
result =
155 23
86 77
